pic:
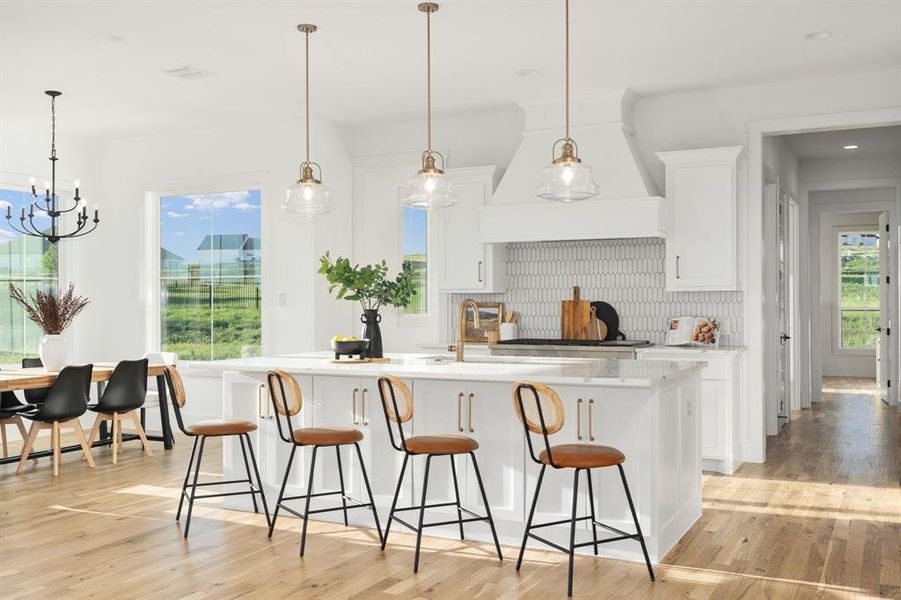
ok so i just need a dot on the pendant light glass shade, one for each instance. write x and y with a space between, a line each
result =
429 188
566 179
308 196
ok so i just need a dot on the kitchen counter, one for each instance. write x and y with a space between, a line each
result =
552 371
647 409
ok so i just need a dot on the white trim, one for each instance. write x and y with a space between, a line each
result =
759 382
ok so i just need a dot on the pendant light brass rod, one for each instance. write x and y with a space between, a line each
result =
307 91
566 45
428 77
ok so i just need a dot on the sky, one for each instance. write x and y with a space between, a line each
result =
17 200
186 220
415 231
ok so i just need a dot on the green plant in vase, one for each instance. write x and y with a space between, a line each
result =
373 288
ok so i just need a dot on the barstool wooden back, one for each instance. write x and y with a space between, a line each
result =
287 399
396 414
540 410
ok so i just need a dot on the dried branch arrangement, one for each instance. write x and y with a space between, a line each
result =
51 312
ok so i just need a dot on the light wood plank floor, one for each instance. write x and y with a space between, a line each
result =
820 519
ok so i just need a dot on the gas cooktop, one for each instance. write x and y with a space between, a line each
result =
549 342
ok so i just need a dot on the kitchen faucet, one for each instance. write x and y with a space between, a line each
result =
461 325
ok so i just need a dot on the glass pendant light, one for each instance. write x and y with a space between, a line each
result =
309 196
428 188
566 178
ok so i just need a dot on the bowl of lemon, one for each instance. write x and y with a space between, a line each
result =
349 346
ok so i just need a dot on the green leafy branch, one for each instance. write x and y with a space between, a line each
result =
369 285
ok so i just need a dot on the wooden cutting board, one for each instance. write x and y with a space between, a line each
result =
575 317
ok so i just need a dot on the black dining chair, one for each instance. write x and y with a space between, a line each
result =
37 395
67 399
10 407
122 398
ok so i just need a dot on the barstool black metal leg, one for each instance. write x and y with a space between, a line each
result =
475 466
184 486
281 492
525 535
375 513
425 488
249 476
594 527
456 492
644 549
194 484
341 480
400 482
256 470
306 510
572 533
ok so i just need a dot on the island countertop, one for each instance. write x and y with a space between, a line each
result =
553 371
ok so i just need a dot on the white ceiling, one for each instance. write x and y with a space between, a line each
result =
876 141
368 56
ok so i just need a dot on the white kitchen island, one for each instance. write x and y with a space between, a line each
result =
647 409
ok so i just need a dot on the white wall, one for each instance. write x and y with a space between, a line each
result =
295 310
779 161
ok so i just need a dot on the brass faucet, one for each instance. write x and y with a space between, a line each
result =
461 325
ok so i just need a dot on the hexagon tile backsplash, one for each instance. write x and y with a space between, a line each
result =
627 273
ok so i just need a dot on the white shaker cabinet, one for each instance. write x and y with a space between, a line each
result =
703 189
720 402
465 263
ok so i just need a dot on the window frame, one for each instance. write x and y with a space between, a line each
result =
430 317
150 291
65 188
837 348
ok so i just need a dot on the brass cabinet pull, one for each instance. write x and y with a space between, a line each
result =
480 271
471 428
590 433
677 266
259 399
460 411
354 405
363 409
579 418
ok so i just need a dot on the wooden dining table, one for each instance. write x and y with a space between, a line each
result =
36 378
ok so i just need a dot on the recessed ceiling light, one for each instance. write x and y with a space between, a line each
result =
527 73
850 147
818 35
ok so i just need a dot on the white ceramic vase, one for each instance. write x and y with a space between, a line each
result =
54 352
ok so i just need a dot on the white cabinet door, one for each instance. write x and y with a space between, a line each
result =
702 188
465 264
490 419
439 409
714 414
379 455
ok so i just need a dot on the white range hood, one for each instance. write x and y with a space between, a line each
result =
628 204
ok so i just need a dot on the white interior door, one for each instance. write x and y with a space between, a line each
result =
883 345
784 296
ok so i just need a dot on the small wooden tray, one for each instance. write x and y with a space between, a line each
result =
350 361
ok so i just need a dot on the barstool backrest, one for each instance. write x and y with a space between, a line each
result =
398 414
177 394
67 398
127 387
287 399
540 410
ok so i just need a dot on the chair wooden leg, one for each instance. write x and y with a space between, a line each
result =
21 427
136 419
3 436
28 445
95 431
115 439
54 438
86 449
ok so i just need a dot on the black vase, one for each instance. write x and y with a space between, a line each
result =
371 331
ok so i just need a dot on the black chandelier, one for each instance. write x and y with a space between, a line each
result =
49 202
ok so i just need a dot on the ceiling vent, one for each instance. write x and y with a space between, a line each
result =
187 72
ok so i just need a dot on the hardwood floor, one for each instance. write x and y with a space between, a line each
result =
820 519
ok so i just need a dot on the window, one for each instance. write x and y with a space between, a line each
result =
416 251
210 266
858 264
31 264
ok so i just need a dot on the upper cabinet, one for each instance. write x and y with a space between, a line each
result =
702 225
465 263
